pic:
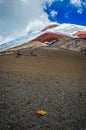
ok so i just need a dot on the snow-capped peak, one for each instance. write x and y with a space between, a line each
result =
66 29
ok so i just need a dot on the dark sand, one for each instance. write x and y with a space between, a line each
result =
52 80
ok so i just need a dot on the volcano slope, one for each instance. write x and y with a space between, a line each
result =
53 80
52 40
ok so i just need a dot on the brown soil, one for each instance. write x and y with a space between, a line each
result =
23 46
52 80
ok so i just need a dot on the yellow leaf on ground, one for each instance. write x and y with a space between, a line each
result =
41 112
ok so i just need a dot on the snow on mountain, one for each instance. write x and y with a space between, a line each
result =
20 40
66 29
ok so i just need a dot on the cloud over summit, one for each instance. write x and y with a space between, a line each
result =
16 15
20 16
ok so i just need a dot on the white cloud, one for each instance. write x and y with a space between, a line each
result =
78 4
66 15
19 16
25 2
80 11
84 3
1 1
53 13
1 38
37 24
61 0
6 39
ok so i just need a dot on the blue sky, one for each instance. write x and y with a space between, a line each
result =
18 17
67 11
